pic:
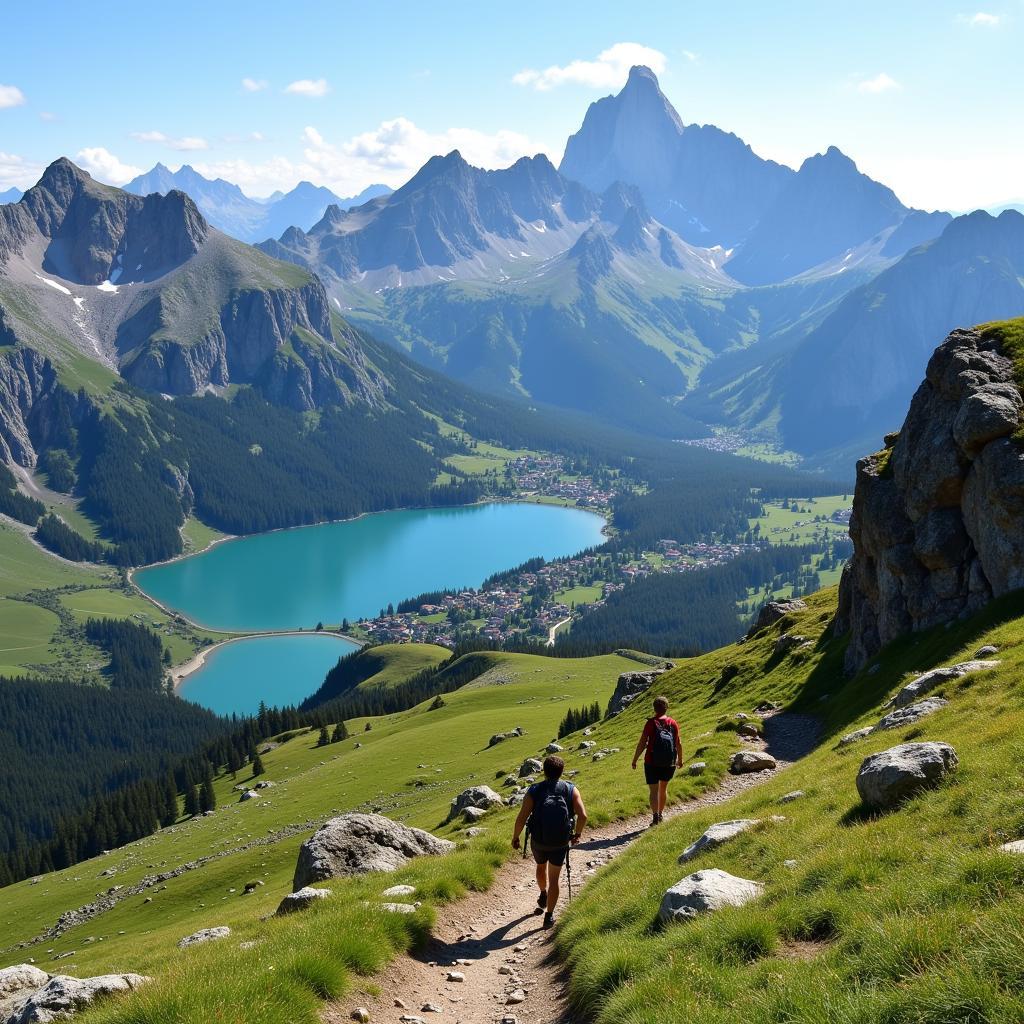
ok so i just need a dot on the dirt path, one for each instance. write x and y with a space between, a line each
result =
495 941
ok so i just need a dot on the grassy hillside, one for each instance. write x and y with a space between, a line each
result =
913 915
908 916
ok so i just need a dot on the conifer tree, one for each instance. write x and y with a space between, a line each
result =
324 738
207 796
257 765
191 800
340 733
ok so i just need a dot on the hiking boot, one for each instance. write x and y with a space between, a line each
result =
549 919
542 900
654 820
660 817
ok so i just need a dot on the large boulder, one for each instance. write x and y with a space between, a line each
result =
63 995
530 767
483 798
891 776
743 762
936 677
715 836
938 516
17 985
629 686
706 891
355 844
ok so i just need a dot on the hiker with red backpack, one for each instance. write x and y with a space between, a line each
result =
554 816
663 754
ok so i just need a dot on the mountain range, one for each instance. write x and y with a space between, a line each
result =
230 210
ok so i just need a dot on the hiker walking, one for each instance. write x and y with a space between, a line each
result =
663 754
555 815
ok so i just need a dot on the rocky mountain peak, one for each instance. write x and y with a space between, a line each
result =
938 518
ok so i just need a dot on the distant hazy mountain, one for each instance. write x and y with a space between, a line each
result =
704 183
12 195
145 288
829 210
230 210
520 280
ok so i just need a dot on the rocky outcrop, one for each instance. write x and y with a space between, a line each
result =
891 776
936 677
706 891
771 612
938 516
629 686
355 844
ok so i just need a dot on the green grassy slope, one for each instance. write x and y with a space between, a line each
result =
33 636
395 663
913 915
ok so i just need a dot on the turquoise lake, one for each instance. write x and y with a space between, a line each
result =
280 670
294 579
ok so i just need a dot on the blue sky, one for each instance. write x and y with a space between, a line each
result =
925 96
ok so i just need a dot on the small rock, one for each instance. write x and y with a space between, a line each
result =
745 761
249 794
789 863
706 891
473 814
505 969
455 976
930 680
697 768
430 1008
204 935
477 830
300 900
554 748
361 1013
986 652
1014 846
516 996
790 797
855 737
715 836
400 890
530 766
911 713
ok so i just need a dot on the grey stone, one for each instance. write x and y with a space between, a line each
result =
773 611
400 890
204 935
986 652
354 844
744 762
480 797
789 642
455 976
17 985
628 687
529 767
249 794
472 814
936 677
717 834
398 908
911 713
855 737
362 1014
554 748
475 831
704 892
62 995
301 899
697 768
887 778
797 794
1014 846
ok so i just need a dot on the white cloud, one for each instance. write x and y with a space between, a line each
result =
983 20
390 153
11 96
102 164
608 71
17 172
188 143
879 84
691 56
254 84
312 87
47 115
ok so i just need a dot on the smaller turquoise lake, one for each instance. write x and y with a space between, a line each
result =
279 670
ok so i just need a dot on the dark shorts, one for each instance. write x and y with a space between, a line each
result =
556 857
653 773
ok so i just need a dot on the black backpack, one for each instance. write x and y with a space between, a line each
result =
551 821
663 746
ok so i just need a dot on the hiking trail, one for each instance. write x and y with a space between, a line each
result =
495 940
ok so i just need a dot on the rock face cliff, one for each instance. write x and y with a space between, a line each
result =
938 516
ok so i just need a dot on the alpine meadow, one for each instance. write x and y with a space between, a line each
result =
512 515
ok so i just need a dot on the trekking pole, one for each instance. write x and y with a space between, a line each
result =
568 870
526 841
